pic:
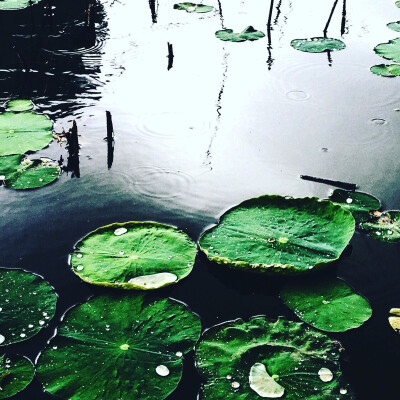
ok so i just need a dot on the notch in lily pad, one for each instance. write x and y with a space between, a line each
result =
134 255
248 33
384 226
387 70
317 44
193 8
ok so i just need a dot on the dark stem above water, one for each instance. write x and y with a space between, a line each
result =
330 18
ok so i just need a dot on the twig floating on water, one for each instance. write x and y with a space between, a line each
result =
343 185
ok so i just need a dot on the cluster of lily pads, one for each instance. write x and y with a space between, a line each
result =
389 51
131 343
24 131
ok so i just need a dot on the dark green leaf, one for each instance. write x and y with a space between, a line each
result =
388 70
384 226
317 44
193 8
390 50
248 34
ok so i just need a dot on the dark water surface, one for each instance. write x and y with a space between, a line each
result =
227 122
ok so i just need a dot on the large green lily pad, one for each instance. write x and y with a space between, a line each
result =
15 4
24 131
247 34
193 8
16 373
390 50
18 172
27 303
115 347
18 105
326 303
276 234
387 70
384 226
358 203
317 44
134 255
398 4
246 360
395 26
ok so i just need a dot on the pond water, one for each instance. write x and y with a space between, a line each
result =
227 122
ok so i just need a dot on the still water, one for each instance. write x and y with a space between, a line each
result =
227 122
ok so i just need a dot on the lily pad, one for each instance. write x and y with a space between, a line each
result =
248 34
134 255
119 347
395 26
16 373
317 44
276 234
388 70
27 302
15 4
19 172
390 50
24 131
398 4
358 203
326 303
246 360
384 226
19 105
193 8
394 319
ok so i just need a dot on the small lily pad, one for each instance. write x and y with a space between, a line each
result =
395 26
390 50
275 234
246 360
384 226
19 172
358 203
248 34
27 303
394 319
193 8
398 4
134 255
317 44
19 105
387 70
24 131
326 303
16 373
15 4
119 347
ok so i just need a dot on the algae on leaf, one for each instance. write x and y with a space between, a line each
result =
387 70
317 44
247 34
27 303
134 255
16 4
16 373
123 346
193 8
384 226
275 234
390 50
246 360
326 303
18 105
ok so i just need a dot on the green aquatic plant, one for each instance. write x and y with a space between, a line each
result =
317 44
395 26
27 302
134 255
384 226
246 360
193 8
19 105
388 70
248 33
326 303
126 346
276 234
390 50
16 4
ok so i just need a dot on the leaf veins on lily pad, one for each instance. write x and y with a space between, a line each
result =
248 34
246 360
27 303
15 4
326 303
19 172
384 226
358 203
193 8
134 255
16 373
18 105
113 347
387 70
317 44
275 234
390 50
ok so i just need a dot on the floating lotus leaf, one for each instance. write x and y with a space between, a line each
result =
134 255
395 26
18 172
398 4
193 8
276 234
358 203
119 347
317 44
27 302
388 70
24 131
246 360
16 373
15 4
326 303
248 34
384 226
19 105
390 50
394 319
